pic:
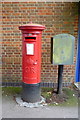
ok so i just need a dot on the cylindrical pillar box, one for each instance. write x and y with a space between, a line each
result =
31 61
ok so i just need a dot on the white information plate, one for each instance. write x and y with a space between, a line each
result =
30 49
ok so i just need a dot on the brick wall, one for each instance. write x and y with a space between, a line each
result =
57 17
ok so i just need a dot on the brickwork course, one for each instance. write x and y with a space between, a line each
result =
58 17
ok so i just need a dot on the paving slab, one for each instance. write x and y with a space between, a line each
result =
77 84
10 109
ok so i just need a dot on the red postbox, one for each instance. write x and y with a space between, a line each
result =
31 61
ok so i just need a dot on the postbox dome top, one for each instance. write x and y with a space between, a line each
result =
32 26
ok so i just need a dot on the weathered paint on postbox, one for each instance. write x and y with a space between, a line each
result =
31 52
62 49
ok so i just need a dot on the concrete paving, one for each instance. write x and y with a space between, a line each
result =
10 109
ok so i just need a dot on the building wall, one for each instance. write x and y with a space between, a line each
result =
57 17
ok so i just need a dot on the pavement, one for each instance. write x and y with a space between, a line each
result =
10 109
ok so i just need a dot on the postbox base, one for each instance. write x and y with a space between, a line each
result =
31 92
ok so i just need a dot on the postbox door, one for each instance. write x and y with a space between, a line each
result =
30 61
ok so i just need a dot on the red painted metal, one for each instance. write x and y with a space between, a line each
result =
31 52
